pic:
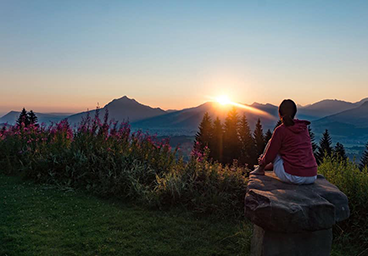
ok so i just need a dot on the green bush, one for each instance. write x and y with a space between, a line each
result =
111 161
354 183
204 187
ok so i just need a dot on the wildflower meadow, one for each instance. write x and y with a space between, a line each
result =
109 160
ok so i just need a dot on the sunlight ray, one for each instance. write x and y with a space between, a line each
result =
224 100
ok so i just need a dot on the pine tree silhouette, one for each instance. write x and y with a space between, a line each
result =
339 152
268 136
216 142
23 118
314 145
32 117
277 124
204 135
324 147
259 138
231 137
364 159
247 143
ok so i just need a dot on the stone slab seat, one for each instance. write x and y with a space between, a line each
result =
282 207
293 220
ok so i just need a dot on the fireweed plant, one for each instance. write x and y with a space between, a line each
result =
109 160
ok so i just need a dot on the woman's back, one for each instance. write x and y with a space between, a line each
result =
296 148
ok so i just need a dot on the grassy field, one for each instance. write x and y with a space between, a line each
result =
45 220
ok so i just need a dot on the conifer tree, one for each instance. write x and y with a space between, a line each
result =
247 142
216 143
204 135
259 138
314 145
32 117
231 137
277 124
324 147
364 159
339 152
23 118
268 136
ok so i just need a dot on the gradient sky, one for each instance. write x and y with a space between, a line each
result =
66 56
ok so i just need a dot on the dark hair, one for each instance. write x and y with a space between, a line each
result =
287 111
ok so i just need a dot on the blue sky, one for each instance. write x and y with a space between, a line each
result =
68 55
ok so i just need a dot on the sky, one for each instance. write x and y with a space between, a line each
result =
69 56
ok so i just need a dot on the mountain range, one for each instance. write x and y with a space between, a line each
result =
327 107
12 116
123 109
352 123
186 121
345 120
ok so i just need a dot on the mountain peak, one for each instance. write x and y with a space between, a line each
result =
361 101
256 104
364 105
123 100
123 109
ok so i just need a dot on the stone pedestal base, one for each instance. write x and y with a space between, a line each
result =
270 243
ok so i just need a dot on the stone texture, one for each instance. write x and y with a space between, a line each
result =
286 208
270 243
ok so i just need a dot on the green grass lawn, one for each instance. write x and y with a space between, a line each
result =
45 220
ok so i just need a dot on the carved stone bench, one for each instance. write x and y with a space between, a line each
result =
293 219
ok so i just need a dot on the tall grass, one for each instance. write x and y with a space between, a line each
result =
354 183
109 160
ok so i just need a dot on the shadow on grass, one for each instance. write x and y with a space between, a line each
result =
46 220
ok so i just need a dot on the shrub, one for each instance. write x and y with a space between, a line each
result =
354 183
204 187
110 160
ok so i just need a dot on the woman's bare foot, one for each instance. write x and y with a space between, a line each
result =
258 171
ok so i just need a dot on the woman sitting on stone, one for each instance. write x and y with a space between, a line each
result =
289 151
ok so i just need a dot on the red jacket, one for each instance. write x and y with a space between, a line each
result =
295 148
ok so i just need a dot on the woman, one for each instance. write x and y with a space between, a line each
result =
290 149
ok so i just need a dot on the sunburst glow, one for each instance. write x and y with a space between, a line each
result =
223 100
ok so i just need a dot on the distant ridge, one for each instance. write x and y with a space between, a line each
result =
341 117
324 108
121 109
188 119
327 107
12 116
352 122
358 103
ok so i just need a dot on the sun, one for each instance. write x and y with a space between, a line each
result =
223 100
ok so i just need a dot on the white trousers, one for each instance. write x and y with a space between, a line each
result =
278 168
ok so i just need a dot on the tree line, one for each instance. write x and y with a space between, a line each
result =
325 148
234 140
27 118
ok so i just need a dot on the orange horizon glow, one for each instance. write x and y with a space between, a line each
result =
224 100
